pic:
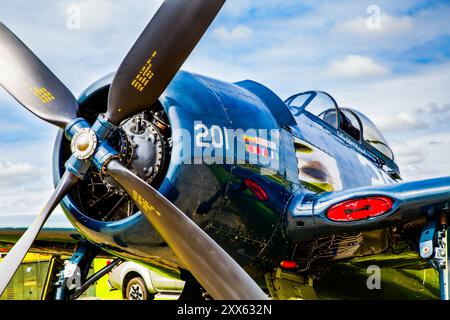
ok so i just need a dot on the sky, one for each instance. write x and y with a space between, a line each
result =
388 59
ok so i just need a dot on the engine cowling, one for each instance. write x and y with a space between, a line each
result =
240 208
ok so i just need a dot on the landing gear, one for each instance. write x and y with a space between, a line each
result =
284 285
75 271
71 281
434 248
442 261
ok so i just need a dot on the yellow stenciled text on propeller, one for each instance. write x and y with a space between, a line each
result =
145 74
147 207
42 94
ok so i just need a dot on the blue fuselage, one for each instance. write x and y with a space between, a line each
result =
242 206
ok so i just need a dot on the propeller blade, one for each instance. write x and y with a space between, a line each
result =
13 259
32 84
158 54
216 271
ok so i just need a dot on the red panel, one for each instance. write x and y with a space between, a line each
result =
256 189
360 209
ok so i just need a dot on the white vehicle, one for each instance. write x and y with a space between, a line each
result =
139 283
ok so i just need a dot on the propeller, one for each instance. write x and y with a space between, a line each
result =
32 84
158 54
216 271
13 259
144 74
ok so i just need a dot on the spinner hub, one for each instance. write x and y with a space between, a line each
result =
84 143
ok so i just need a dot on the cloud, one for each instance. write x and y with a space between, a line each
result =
408 156
25 176
11 127
22 187
395 93
399 122
432 115
388 25
423 154
94 14
356 66
435 114
238 33
10 169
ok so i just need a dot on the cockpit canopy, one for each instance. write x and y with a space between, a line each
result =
355 124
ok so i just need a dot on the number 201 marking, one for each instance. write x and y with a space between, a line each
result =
217 134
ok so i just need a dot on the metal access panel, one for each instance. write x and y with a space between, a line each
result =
30 286
27 282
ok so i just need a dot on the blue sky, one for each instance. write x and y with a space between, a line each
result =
398 74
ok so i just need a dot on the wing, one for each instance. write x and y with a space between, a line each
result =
58 237
368 208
